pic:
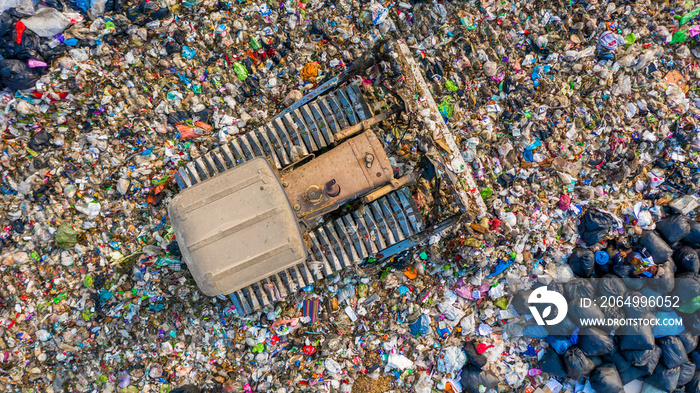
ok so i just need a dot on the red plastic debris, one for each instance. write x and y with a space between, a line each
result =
308 350
564 202
20 31
481 348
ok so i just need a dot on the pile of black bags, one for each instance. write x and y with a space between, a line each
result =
662 264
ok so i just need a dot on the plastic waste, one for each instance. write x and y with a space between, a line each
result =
606 379
594 226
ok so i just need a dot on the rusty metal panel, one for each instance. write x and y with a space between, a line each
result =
347 164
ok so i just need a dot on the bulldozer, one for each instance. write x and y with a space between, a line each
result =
317 190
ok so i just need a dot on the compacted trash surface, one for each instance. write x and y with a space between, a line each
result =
577 120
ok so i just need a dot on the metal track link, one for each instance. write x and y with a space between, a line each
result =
285 139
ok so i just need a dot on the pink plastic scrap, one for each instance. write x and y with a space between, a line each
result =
33 63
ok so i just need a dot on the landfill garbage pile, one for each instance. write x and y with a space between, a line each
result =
557 109
664 356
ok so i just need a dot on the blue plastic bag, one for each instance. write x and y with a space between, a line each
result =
421 326
560 346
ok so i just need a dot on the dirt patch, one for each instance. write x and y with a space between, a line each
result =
365 384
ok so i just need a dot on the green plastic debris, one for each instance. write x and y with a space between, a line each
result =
630 39
450 86
87 281
385 273
362 289
689 16
60 297
254 43
240 71
691 306
446 108
501 303
259 348
423 255
486 192
66 236
679 37
87 314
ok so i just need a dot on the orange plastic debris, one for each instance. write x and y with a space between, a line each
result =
309 72
202 125
411 273
186 132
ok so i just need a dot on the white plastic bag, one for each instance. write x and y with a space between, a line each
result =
47 22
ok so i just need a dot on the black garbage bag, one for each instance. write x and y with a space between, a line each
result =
603 270
145 12
687 286
631 374
615 313
689 340
577 313
39 140
597 360
551 364
693 237
606 379
635 309
691 322
634 338
473 356
558 287
187 389
611 286
694 385
664 281
673 351
17 75
172 47
594 226
114 5
595 342
28 47
673 228
656 246
50 54
621 269
635 283
564 328
179 117
579 289
506 180
615 356
695 358
664 378
174 249
57 4
687 372
686 259
646 360
203 115
582 262
474 377
520 303
577 364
